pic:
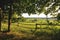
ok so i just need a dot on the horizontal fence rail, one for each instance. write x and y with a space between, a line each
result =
49 24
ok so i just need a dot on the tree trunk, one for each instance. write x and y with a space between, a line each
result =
9 22
9 18
10 14
0 19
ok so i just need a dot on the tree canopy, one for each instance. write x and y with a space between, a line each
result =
31 6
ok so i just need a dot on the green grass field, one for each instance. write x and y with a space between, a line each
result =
27 30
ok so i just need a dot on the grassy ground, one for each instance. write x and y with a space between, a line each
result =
27 31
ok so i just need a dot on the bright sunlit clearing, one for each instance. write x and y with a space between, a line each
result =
42 15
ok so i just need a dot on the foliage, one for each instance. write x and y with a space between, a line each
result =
58 16
31 6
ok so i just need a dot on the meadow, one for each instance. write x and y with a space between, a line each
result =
26 30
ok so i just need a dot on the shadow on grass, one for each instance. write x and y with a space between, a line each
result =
39 35
11 36
53 35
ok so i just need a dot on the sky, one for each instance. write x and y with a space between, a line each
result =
42 15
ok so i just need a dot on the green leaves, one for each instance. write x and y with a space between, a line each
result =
31 6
